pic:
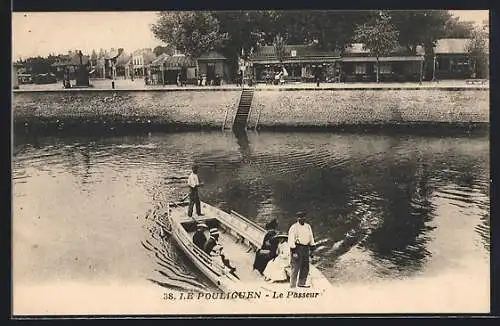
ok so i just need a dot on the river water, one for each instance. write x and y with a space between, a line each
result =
83 210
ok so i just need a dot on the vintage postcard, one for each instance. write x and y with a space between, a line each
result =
271 162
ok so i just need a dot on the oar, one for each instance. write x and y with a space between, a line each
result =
319 244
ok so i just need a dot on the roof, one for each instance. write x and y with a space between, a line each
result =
382 59
159 59
357 49
123 59
147 55
173 61
73 60
113 53
142 51
451 45
293 53
212 55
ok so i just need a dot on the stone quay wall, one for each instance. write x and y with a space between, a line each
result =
270 109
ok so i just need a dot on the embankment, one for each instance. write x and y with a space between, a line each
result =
369 107
114 110
280 108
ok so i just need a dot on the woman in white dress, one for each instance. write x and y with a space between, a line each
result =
276 269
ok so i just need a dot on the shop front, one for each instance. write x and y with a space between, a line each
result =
301 63
392 69
214 68
167 70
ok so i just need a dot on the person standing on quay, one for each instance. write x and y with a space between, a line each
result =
300 240
194 197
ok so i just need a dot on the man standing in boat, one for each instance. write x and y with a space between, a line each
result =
194 197
300 241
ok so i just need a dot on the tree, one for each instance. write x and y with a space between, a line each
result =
454 28
244 28
380 37
39 65
419 27
192 32
279 47
330 30
163 49
478 53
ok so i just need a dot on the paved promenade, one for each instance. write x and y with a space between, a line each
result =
138 84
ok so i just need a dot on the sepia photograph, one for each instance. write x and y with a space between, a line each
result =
250 162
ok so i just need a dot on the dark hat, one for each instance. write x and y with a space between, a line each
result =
273 224
281 236
301 214
201 226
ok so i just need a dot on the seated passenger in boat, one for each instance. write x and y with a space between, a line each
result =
212 241
200 237
268 249
278 269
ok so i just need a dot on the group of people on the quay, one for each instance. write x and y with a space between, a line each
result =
280 257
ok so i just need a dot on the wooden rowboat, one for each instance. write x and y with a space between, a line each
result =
240 238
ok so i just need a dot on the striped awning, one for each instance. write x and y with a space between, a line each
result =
382 59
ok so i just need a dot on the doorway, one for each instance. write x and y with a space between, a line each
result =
210 71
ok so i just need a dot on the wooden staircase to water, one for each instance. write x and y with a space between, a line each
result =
241 117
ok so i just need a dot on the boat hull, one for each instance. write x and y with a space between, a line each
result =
242 238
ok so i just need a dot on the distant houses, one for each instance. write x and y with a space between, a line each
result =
141 59
123 65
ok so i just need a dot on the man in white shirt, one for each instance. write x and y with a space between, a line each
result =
194 198
300 239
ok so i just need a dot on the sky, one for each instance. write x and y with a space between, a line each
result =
42 33
58 32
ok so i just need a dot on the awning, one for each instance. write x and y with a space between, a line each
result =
382 59
305 59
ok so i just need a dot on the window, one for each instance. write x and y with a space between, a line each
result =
385 68
360 68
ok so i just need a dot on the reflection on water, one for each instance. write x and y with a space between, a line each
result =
84 208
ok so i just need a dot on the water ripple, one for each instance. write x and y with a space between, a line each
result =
388 193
